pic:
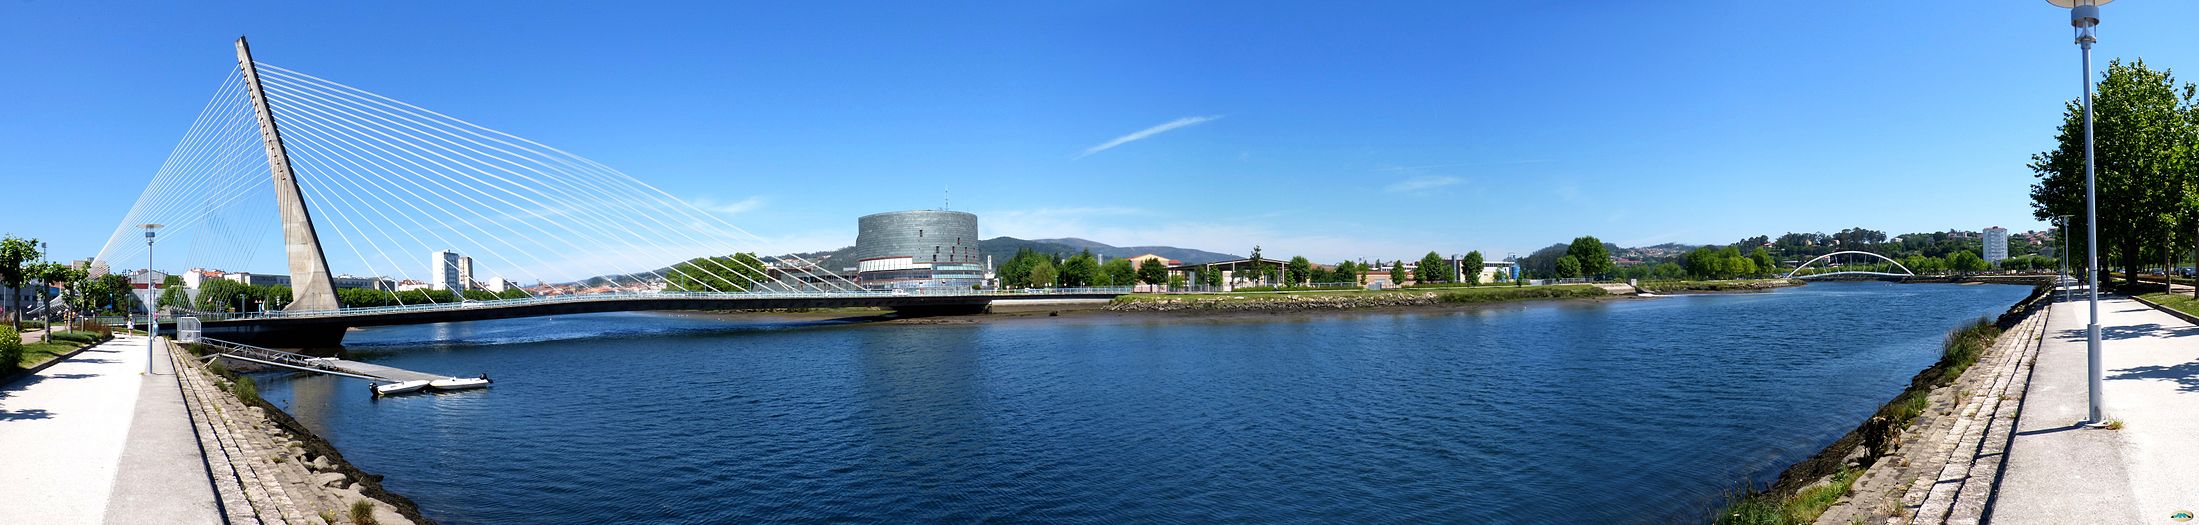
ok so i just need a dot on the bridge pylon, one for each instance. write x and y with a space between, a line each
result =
311 287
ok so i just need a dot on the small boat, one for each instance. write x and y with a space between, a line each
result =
460 383
400 387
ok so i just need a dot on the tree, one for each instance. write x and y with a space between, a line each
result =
2144 124
1016 273
279 296
1594 258
738 272
1765 264
1119 272
1211 277
1298 270
1397 273
1080 270
1569 267
1966 262
220 295
1472 265
1043 273
16 255
1153 272
173 295
1432 269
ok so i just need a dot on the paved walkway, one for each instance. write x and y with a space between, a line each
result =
2058 472
93 439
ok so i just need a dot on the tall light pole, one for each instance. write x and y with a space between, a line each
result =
2084 15
152 317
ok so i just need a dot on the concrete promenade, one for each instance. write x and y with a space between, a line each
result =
95 440
2059 472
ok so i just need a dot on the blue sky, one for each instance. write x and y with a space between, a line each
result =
1315 129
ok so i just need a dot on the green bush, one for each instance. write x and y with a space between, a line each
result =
11 348
362 512
245 389
76 337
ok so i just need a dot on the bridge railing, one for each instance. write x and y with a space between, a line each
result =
619 296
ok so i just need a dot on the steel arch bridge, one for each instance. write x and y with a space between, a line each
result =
1830 257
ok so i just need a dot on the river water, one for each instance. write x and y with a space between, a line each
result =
1645 410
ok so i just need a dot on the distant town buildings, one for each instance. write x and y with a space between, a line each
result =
449 271
1996 244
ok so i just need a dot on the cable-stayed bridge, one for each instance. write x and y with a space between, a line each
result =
363 188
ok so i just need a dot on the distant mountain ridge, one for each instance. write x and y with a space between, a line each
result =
1187 255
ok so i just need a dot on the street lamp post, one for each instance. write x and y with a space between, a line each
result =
2084 15
152 317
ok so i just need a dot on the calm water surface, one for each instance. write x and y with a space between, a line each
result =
1615 411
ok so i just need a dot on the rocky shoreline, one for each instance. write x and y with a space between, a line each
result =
1260 302
268 467
1897 472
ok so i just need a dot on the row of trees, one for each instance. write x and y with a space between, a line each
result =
733 273
2147 168
21 261
1031 269
361 297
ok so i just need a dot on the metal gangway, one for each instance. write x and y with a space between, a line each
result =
305 363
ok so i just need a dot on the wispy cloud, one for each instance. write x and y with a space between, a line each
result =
1424 167
728 208
1147 132
1422 183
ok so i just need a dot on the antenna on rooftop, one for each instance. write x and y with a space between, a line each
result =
946 198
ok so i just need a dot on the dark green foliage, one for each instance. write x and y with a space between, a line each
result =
1043 274
1569 267
1119 272
1594 257
1472 264
11 348
1153 272
2147 139
1080 270
734 273
1433 268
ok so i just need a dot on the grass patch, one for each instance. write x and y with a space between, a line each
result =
1802 507
35 354
362 512
1713 286
245 389
2174 301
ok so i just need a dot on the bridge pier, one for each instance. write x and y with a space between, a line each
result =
305 336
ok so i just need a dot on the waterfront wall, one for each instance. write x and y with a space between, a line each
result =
1279 302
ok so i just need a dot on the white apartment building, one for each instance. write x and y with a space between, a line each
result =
1996 244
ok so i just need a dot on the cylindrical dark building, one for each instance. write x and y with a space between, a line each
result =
918 249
